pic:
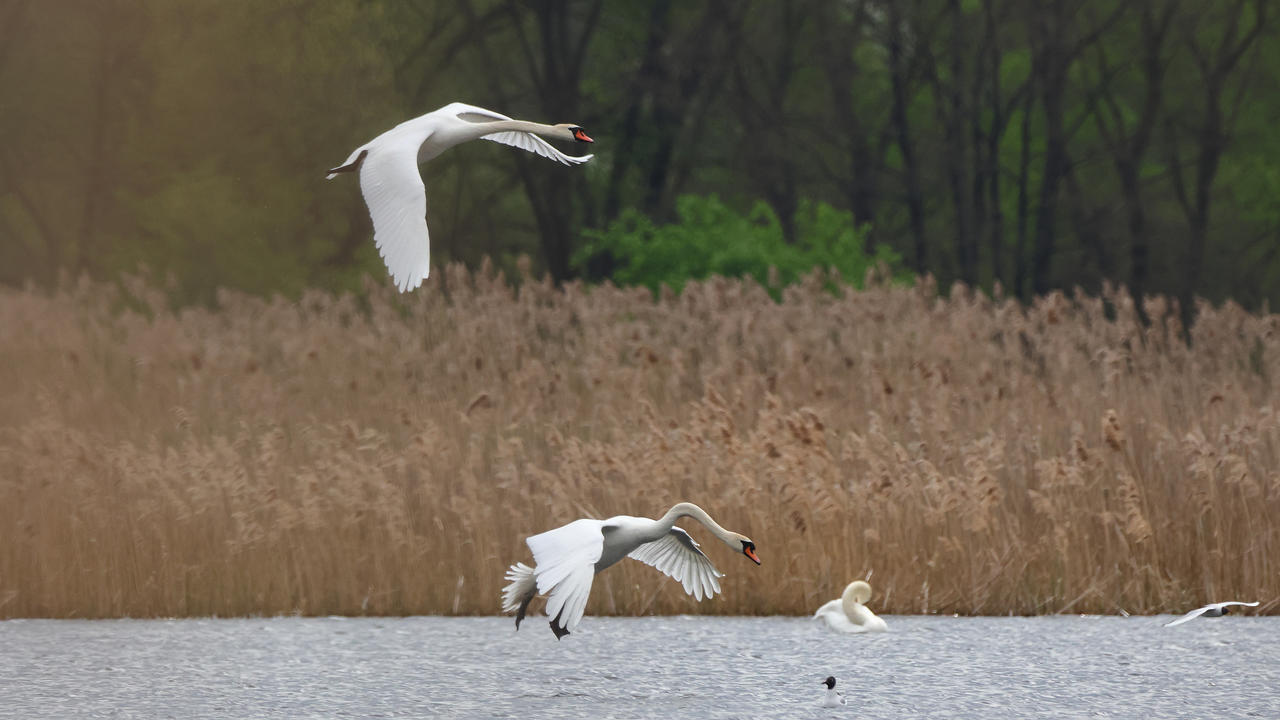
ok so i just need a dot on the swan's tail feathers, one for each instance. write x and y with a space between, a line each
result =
517 595
351 165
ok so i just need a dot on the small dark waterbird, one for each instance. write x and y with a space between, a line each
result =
833 698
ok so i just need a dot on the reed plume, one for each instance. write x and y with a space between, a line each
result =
387 454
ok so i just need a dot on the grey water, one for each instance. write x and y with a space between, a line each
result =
669 667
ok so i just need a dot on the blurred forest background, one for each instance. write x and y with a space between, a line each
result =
1037 145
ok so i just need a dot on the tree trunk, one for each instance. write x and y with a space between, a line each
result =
902 130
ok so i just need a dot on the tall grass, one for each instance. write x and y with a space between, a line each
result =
389 455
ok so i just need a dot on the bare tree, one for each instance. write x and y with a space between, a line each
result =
1057 43
1126 134
1243 22
842 28
552 38
682 69
901 77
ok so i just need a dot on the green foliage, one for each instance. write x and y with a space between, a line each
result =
191 138
711 238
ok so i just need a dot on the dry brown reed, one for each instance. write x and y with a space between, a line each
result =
388 454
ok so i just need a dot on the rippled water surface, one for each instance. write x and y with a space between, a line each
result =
698 667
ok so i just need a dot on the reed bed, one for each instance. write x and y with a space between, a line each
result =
388 454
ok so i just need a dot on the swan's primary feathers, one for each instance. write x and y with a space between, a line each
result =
680 558
848 613
393 188
567 559
1210 610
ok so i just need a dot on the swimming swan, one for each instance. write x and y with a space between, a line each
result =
848 614
833 698
567 559
393 189
1211 610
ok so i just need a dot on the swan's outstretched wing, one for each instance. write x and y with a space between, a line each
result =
566 559
1189 616
514 138
397 202
1211 606
534 144
677 556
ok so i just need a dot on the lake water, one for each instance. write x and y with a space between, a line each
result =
671 667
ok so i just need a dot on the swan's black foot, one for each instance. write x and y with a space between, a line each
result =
520 612
559 631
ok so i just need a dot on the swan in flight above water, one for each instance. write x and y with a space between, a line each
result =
833 698
848 614
567 559
393 189
1211 610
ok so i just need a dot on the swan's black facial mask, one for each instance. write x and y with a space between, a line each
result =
580 135
749 549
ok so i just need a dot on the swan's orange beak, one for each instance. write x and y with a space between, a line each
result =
751 553
581 136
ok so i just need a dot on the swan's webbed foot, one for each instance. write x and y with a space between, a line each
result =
555 628
521 611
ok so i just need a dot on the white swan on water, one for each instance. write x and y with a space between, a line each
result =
567 559
849 614
1210 610
393 189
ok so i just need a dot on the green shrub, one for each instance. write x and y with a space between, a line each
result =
711 238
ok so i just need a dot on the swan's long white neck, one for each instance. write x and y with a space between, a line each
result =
687 509
854 595
552 131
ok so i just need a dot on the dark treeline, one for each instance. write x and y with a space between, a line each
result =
1036 145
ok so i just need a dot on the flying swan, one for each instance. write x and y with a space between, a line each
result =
848 614
1211 610
567 559
393 189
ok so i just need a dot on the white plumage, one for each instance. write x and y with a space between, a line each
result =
393 188
672 557
833 697
567 559
1210 610
847 613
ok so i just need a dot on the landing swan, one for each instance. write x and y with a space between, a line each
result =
1211 610
567 559
393 189
848 614
833 698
